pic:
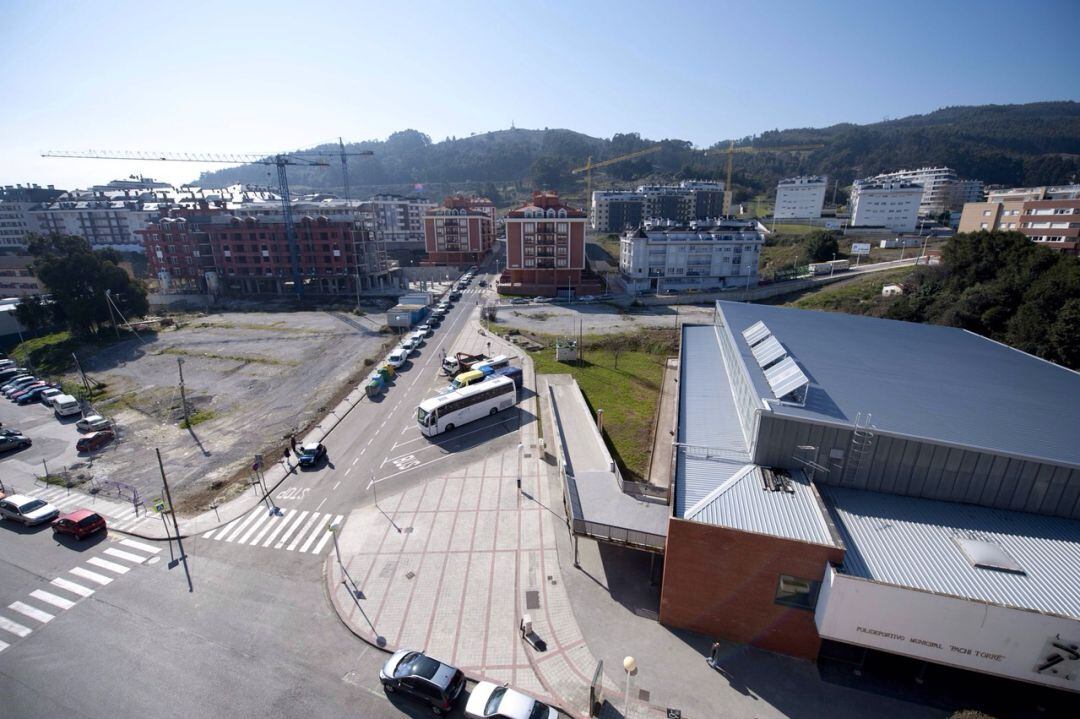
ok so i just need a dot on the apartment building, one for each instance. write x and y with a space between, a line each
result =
891 204
619 210
800 197
1053 222
616 210
1028 194
1049 215
545 250
710 255
17 205
397 221
709 198
16 279
942 190
461 232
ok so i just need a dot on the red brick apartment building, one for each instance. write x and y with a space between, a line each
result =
460 232
545 250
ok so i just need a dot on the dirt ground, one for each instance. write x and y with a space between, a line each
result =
598 318
252 380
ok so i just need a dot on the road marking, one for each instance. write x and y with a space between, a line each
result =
424 464
285 537
362 450
125 555
338 484
32 612
356 460
326 537
252 528
149 549
319 531
52 599
211 533
307 527
5 645
370 441
13 627
92 576
239 527
106 564
383 424
321 504
281 525
264 530
347 470
72 587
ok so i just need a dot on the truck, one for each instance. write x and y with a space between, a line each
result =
828 268
460 362
488 367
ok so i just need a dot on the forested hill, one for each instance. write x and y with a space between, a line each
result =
1033 144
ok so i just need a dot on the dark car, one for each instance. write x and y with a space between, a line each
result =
483 283
422 678
94 441
33 395
14 440
16 396
310 454
519 301
79 523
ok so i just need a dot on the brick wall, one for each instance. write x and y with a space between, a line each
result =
722 583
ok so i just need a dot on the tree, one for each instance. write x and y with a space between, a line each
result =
78 277
34 312
547 172
820 245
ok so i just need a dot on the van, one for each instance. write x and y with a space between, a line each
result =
417 338
466 378
64 405
513 373
488 367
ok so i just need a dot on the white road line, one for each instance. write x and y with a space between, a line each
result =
137 559
253 527
92 576
52 599
106 564
383 424
3 646
285 537
150 549
124 515
362 450
370 441
326 537
64 502
305 530
320 529
264 530
210 534
72 587
321 504
240 526
281 525
32 612
347 470
336 485
355 461
14 627
413 469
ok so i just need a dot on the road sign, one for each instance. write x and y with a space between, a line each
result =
159 505
257 464
860 248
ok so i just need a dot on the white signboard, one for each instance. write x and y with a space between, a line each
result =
860 248
989 638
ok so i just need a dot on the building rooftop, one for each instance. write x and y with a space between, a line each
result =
803 180
940 384
1027 561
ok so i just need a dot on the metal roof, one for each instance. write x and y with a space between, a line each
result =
743 503
939 384
912 542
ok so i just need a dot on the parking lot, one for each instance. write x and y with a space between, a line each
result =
54 444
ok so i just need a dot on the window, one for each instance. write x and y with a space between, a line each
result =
796 592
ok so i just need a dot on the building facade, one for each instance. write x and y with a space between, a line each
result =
890 204
616 210
545 250
942 190
396 221
700 256
1049 216
17 206
621 210
461 232
16 279
800 197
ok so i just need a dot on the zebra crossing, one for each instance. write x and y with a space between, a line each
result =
120 516
20 619
290 530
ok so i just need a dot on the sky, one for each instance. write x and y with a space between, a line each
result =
266 76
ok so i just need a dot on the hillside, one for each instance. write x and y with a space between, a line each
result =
1031 144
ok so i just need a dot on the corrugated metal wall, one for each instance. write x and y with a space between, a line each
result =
923 469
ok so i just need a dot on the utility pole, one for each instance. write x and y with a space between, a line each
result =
83 375
183 396
112 319
168 495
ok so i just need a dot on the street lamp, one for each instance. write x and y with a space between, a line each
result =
630 665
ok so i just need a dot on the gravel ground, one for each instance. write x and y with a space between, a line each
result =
260 376
598 318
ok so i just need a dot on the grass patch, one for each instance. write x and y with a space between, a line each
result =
48 354
610 245
197 417
860 296
243 359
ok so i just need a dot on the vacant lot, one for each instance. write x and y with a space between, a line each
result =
252 380
598 318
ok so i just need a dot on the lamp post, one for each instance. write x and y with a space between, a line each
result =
630 665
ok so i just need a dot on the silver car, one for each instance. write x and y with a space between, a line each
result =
490 701
28 510
92 423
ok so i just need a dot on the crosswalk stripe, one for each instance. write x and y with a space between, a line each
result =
64 502
52 599
211 533
303 531
125 514
285 537
239 526
319 528
125 555
92 576
148 548
264 530
32 612
253 527
3 646
106 564
14 627
72 587
326 537
290 515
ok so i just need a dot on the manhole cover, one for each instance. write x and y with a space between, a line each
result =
643 695
388 570
532 599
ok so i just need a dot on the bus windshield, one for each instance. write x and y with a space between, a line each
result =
422 416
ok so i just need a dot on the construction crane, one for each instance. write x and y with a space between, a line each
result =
731 150
281 161
590 166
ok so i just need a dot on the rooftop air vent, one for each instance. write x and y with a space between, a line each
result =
987 554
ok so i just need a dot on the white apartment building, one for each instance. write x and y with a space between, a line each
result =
397 221
702 256
800 197
16 222
1031 194
890 204
102 223
942 190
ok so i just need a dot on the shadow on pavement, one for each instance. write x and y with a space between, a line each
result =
80 545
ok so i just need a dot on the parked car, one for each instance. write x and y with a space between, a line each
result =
422 678
95 440
80 523
491 701
34 394
455 296
48 395
13 441
417 338
10 373
426 330
26 509
539 299
397 357
18 383
311 454
588 298
482 283
64 405
519 301
92 423
18 394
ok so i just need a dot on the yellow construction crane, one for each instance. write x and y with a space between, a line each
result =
590 166
731 150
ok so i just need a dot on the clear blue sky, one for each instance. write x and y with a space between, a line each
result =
262 76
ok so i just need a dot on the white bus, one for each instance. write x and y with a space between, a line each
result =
442 414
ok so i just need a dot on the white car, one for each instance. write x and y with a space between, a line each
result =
92 423
490 701
417 338
47 396
428 330
28 510
398 357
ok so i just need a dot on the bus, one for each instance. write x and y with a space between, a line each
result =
442 414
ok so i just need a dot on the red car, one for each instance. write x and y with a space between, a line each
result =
94 441
79 523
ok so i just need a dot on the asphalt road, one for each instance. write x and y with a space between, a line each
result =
234 630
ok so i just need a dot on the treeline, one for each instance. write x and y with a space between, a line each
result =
1002 286
1034 144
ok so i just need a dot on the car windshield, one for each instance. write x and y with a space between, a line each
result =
309 451
416 664
492 705
31 506
539 711
422 415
